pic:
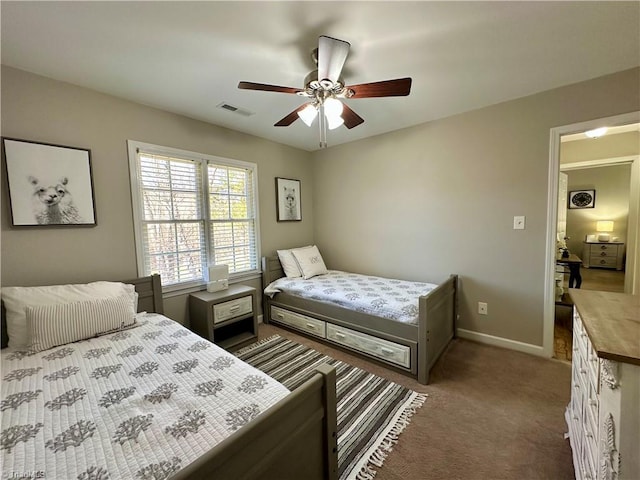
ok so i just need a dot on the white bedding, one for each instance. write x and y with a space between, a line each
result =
140 403
384 297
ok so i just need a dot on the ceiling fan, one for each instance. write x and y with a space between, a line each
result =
325 88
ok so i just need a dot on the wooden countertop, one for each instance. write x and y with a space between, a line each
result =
612 321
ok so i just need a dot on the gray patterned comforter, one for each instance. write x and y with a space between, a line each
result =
140 403
383 297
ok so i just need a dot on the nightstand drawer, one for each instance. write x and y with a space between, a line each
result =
231 309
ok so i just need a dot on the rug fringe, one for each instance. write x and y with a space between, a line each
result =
379 455
254 345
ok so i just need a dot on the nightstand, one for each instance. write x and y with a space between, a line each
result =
227 318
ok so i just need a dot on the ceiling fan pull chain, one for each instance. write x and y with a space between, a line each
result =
322 123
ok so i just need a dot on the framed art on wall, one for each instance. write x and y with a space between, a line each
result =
582 199
288 197
49 184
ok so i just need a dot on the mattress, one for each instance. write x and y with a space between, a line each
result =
140 403
383 297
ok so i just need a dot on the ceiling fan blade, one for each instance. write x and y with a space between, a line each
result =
399 87
351 118
292 117
332 54
267 88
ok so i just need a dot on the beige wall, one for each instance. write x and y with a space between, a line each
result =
418 203
40 109
612 186
438 198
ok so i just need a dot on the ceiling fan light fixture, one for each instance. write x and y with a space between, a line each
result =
308 114
334 122
332 107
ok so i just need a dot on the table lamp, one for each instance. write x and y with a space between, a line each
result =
604 226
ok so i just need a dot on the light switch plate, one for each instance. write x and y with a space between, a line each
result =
518 222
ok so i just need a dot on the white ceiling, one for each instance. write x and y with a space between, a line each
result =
188 57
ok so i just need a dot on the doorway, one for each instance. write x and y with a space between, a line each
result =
631 263
599 257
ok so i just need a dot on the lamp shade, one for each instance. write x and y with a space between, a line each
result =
308 114
604 226
332 107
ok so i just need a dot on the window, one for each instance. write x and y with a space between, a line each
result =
191 211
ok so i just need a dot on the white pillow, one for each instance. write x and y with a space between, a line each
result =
289 264
309 261
59 324
16 299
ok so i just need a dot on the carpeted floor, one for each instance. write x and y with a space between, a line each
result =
491 414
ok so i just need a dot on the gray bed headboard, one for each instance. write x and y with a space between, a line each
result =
149 299
271 270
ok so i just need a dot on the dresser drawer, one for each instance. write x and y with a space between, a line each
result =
602 261
611 250
299 321
383 349
231 309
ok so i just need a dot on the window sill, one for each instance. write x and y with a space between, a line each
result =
176 292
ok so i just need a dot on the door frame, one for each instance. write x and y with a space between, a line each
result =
632 275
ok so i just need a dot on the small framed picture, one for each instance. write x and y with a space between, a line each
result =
582 199
49 184
288 198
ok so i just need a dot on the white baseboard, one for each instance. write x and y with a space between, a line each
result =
501 342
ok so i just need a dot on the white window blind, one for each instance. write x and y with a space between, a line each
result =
192 211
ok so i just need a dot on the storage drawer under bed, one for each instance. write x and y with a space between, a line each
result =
383 349
301 322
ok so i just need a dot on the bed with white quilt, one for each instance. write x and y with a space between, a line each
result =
403 324
93 390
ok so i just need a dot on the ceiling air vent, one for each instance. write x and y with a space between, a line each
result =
234 109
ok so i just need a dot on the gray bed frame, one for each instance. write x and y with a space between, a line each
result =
438 312
295 438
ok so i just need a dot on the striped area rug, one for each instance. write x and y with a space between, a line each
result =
372 411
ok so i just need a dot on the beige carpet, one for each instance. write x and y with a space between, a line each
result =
491 414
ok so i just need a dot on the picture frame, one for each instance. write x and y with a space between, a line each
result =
49 185
288 200
582 199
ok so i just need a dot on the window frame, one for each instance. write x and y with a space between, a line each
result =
134 147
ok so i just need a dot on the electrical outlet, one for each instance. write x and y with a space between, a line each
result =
483 309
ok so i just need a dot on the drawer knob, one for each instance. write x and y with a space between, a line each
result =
311 326
340 335
280 315
593 402
386 351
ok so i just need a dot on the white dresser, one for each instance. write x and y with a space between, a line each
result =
603 415
603 255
